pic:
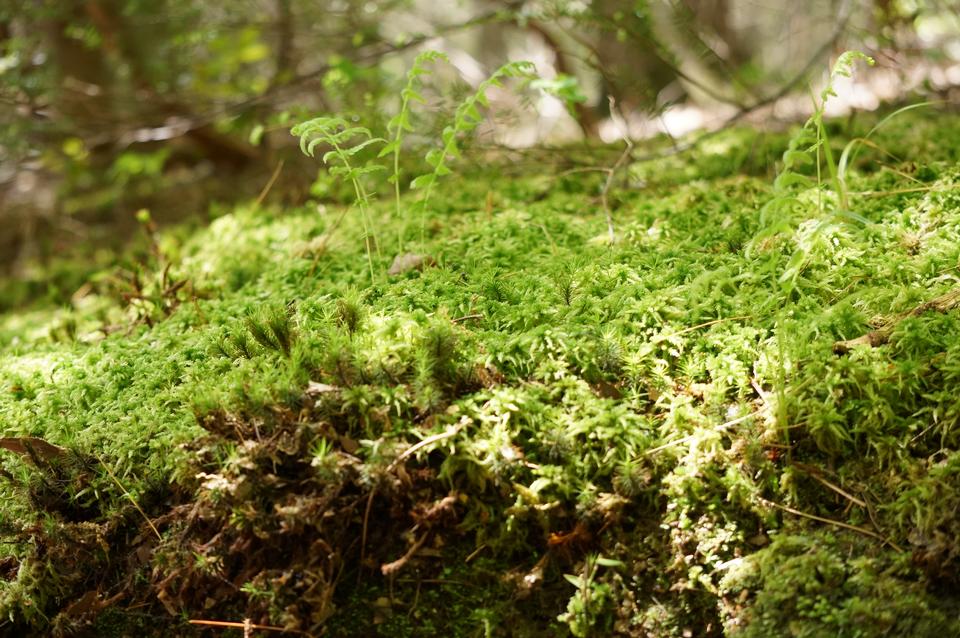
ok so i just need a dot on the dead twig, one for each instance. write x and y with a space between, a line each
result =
943 303
389 569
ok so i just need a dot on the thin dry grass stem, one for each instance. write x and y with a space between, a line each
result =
453 430
129 496
896 191
475 553
247 626
830 521
266 189
872 514
904 175
619 120
720 428
437 581
706 324
546 233
815 475
582 169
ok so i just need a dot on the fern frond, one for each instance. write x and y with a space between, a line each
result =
466 119
400 123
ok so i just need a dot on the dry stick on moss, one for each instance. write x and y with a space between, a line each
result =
880 336
830 521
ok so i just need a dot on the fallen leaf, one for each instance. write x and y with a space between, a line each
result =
24 445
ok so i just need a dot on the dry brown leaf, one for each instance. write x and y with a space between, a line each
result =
23 445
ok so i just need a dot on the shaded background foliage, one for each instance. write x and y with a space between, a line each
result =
109 106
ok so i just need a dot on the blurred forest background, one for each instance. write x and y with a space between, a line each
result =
111 106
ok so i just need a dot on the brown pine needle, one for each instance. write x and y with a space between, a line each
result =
246 625
129 496
706 324
815 475
830 521
266 189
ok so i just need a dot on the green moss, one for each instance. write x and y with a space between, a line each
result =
646 401
819 586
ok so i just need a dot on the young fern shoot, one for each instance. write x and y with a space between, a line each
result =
337 133
400 124
465 120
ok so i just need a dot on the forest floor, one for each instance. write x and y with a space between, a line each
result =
525 430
